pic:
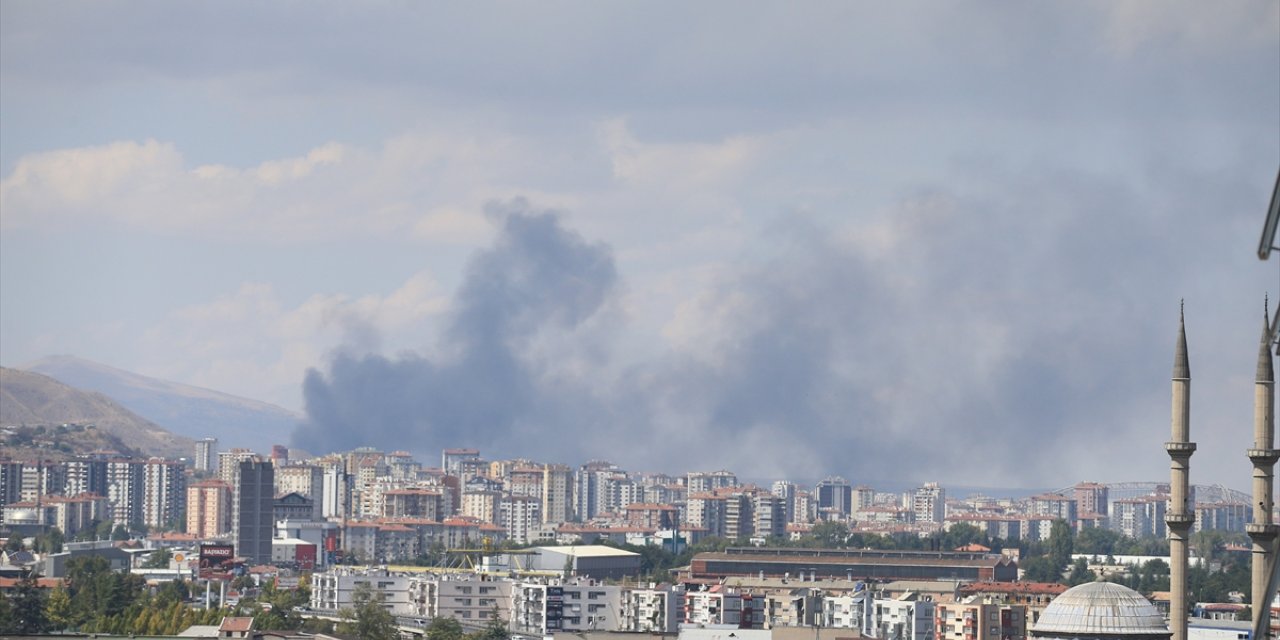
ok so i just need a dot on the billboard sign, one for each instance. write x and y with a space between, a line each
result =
216 558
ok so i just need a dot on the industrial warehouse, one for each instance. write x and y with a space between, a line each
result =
854 564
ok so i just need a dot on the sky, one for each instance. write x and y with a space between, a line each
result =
897 242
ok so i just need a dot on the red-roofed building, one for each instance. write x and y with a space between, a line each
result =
236 627
657 516
1035 595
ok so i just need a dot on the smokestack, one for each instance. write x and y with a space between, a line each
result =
1263 455
1179 516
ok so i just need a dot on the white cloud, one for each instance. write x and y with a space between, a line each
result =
251 343
427 185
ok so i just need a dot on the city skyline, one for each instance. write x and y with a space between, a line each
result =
830 239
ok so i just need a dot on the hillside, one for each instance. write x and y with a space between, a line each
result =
32 399
183 409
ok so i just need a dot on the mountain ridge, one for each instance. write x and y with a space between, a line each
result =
29 398
187 410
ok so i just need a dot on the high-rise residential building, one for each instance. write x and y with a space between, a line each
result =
863 497
206 454
164 492
279 455
484 504
521 517
229 463
704 481
557 494
402 466
787 492
1091 497
335 501
209 508
253 501
86 475
523 480
739 519
1056 506
10 482
586 495
451 459
835 498
125 480
930 503
303 479
42 479
616 491
805 507
706 511
769 513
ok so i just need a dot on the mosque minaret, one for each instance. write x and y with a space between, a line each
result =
1179 516
1263 455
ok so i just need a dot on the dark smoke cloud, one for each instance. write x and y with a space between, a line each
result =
537 280
1015 331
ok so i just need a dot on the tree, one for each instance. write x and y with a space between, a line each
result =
159 559
58 609
1041 569
104 529
1061 543
1080 573
445 629
26 615
1097 541
495 629
961 534
49 542
830 534
368 620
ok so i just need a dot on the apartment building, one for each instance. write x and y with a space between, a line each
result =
208 508
164 493
980 621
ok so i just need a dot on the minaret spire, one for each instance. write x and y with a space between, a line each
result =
1263 455
1180 515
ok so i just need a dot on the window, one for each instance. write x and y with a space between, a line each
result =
466 614
484 590
464 589
574 595
592 595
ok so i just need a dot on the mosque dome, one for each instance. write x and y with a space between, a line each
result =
1101 610
22 516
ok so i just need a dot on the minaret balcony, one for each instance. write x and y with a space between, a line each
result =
1259 531
1180 449
1264 456
1179 519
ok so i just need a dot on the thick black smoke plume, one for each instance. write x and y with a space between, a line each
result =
538 282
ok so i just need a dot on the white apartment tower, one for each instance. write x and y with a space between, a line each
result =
206 452
557 494
930 503
164 492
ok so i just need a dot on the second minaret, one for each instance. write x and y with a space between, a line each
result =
1263 455
1180 516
